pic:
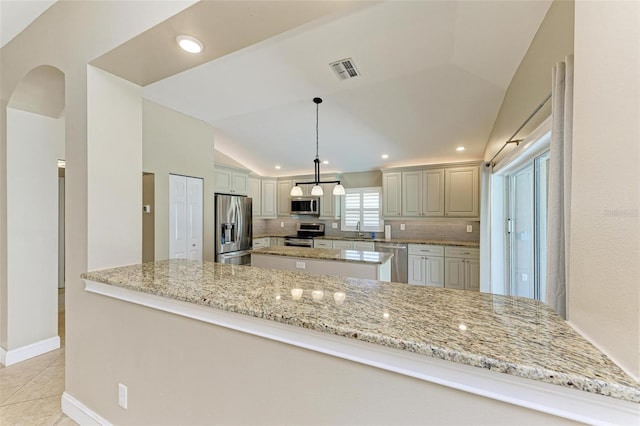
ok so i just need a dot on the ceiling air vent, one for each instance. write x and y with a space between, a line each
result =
344 69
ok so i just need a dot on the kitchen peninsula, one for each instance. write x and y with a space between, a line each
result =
342 263
511 353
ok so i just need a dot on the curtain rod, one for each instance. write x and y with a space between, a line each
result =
517 141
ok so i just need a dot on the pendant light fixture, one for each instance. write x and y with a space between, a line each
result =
296 191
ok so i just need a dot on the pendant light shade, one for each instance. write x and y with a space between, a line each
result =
317 191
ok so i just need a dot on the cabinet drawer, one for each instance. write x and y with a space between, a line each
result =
260 243
462 252
342 245
323 244
424 249
363 245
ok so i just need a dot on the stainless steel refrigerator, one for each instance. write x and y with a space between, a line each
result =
234 230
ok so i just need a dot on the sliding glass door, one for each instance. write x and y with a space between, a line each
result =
527 228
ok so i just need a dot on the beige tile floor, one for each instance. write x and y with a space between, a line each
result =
30 391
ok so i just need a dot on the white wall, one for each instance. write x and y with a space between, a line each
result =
178 144
604 292
114 170
34 145
532 81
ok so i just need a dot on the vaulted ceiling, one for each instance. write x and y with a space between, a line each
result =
433 77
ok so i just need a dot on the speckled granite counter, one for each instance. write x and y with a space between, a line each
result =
407 240
355 256
516 336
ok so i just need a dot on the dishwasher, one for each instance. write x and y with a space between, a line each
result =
399 262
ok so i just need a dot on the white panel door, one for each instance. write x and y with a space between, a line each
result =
185 218
194 218
177 217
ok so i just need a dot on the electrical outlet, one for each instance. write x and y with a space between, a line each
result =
402 226
122 395
469 228
334 225
525 277
300 265
281 224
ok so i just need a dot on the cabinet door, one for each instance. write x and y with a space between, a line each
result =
343 245
284 188
473 275
222 178
416 273
254 193
276 241
433 192
392 194
269 198
329 203
462 191
434 271
454 273
239 183
412 193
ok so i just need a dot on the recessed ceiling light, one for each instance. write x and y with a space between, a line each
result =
277 167
385 156
460 148
190 44
325 162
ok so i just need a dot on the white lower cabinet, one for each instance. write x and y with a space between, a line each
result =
260 242
462 268
342 245
426 265
318 243
276 241
363 245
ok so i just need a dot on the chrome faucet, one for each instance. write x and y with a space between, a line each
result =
358 229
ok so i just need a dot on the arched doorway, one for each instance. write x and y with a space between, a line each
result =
35 145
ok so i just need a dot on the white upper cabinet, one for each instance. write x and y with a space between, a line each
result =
283 191
462 191
329 203
431 192
229 180
391 194
423 193
269 198
254 192
263 193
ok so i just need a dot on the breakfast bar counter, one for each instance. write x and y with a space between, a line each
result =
523 351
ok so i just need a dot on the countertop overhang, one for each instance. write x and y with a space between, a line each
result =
354 256
485 333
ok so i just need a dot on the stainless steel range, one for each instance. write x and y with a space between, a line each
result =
305 235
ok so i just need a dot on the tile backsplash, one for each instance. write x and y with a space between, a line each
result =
436 229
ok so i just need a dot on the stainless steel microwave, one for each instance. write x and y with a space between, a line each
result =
305 205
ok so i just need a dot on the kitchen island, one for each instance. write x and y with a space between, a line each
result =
342 263
510 351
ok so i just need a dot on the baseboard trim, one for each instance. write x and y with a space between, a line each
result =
24 353
80 413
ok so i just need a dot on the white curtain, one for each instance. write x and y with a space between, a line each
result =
486 169
559 201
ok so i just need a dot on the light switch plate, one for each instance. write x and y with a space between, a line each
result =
334 225
402 226
300 265
469 228
281 224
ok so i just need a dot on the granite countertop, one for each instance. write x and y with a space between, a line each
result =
271 235
354 256
511 335
407 240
